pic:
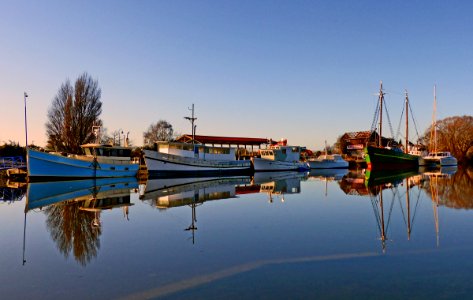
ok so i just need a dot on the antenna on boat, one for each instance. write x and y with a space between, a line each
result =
192 120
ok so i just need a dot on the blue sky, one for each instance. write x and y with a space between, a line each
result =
307 71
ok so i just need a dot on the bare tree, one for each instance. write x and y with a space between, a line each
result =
73 113
161 131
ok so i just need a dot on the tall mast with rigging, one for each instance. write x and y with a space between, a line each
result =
433 130
381 100
407 124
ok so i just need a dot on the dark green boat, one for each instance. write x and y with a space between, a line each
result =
380 157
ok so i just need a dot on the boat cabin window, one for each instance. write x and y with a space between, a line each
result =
108 152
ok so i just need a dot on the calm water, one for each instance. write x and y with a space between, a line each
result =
277 235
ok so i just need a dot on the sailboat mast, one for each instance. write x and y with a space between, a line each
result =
381 99
433 130
407 124
408 204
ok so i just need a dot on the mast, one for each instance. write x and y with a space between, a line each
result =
433 130
192 120
408 202
381 99
383 232
407 124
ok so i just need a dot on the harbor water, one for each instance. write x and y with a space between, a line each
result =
276 235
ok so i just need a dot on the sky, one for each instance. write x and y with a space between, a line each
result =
307 71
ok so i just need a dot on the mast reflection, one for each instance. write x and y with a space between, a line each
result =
165 193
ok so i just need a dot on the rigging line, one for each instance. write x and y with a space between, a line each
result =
376 213
389 119
415 211
414 121
390 213
375 117
398 132
402 210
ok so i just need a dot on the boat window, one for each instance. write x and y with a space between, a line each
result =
283 151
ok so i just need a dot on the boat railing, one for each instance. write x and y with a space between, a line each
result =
107 159
194 161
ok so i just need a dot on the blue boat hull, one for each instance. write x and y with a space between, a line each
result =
41 194
46 165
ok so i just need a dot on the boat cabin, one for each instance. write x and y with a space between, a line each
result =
102 150
439 154
196 151
282 153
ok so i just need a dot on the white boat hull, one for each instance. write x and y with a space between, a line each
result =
261 164
328 164
162 164
46 165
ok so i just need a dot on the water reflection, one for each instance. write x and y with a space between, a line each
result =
451 190
173 192
279 183
73 208
73 211
11 191
444 187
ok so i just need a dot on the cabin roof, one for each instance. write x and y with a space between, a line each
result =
207 139
94 145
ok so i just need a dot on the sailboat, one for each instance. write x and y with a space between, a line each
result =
437 158
380 157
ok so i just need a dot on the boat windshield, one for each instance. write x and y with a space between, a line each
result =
108 151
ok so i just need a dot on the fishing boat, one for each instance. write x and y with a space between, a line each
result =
326 161
280 157
393 157
98 161
186 159
192 159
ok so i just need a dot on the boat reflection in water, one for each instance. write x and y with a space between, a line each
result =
11 191
73 210
328 174
353 184
384 189
166 193
408 186
279 183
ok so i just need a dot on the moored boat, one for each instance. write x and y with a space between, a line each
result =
183 159
280 157
333 161
379 157
440 158
98 161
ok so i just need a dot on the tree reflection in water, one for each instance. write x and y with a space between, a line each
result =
455 191
72 230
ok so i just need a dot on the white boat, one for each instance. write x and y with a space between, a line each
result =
280 157
98 161
172 158
435 157
442 159
333 161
